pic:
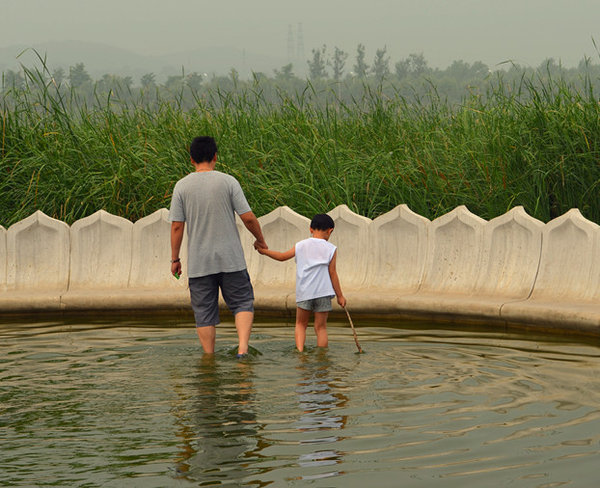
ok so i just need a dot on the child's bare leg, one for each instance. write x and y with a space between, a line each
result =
321 328
302 318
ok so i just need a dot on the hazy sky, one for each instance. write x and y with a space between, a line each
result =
492 31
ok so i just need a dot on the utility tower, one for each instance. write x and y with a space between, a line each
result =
300 43
290 44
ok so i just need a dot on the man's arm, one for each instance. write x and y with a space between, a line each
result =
176 238
252 224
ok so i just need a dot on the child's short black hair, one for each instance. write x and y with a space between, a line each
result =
322 222
203 149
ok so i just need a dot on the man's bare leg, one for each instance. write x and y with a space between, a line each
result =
207 337
243 325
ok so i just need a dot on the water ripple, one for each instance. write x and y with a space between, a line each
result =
105 404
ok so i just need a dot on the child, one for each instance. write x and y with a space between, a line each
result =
316 278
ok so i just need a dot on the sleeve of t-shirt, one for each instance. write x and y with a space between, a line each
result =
177 211
240 204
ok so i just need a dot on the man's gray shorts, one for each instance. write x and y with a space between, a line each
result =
321 304
204 293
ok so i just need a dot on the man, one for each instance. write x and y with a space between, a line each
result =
207 201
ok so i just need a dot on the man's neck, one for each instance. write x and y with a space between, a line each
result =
203 167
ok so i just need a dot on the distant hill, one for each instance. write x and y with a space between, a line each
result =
101 58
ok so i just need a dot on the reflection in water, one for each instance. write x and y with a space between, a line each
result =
318 401
217 423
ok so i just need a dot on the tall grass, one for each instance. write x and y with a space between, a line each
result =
536 145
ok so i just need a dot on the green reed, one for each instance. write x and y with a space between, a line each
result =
536 145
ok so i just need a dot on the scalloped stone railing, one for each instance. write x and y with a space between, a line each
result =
510 271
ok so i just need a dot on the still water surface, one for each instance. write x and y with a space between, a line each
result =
137 405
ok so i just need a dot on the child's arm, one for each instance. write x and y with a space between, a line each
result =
335 281
278 255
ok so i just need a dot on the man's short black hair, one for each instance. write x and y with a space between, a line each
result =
203 149
322 222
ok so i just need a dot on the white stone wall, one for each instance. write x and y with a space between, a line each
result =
101 252
37 250
398 246
512 269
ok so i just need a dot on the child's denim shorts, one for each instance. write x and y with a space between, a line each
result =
321 304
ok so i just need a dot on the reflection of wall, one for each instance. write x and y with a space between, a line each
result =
512 269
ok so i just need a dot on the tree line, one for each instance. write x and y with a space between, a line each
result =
331 76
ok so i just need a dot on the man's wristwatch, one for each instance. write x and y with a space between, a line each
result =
175 260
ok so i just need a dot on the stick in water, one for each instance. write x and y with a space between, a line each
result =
353 331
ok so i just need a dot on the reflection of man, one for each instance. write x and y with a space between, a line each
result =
217 423
207 201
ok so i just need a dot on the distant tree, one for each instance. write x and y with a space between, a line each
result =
12 79
418 63
286 73
549 66
105 83
338 62
194 80
361 68
317 66
459 70
479 70
381 64
126 82
402 68
148 80
415 64
115 83
175 82
58 75
78 75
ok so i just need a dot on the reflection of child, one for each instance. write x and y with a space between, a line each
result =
316 278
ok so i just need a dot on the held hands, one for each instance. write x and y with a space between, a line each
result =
260 245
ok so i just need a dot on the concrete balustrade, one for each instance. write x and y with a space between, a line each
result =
512 270
566 293
38 254
100 261
454 255
37 257
398 244
510 256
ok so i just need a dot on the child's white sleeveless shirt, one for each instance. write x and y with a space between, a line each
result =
312 269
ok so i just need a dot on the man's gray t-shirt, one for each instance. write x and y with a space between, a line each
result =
207 202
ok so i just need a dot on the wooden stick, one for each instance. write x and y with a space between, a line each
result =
353 331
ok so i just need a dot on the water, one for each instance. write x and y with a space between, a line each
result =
112 404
